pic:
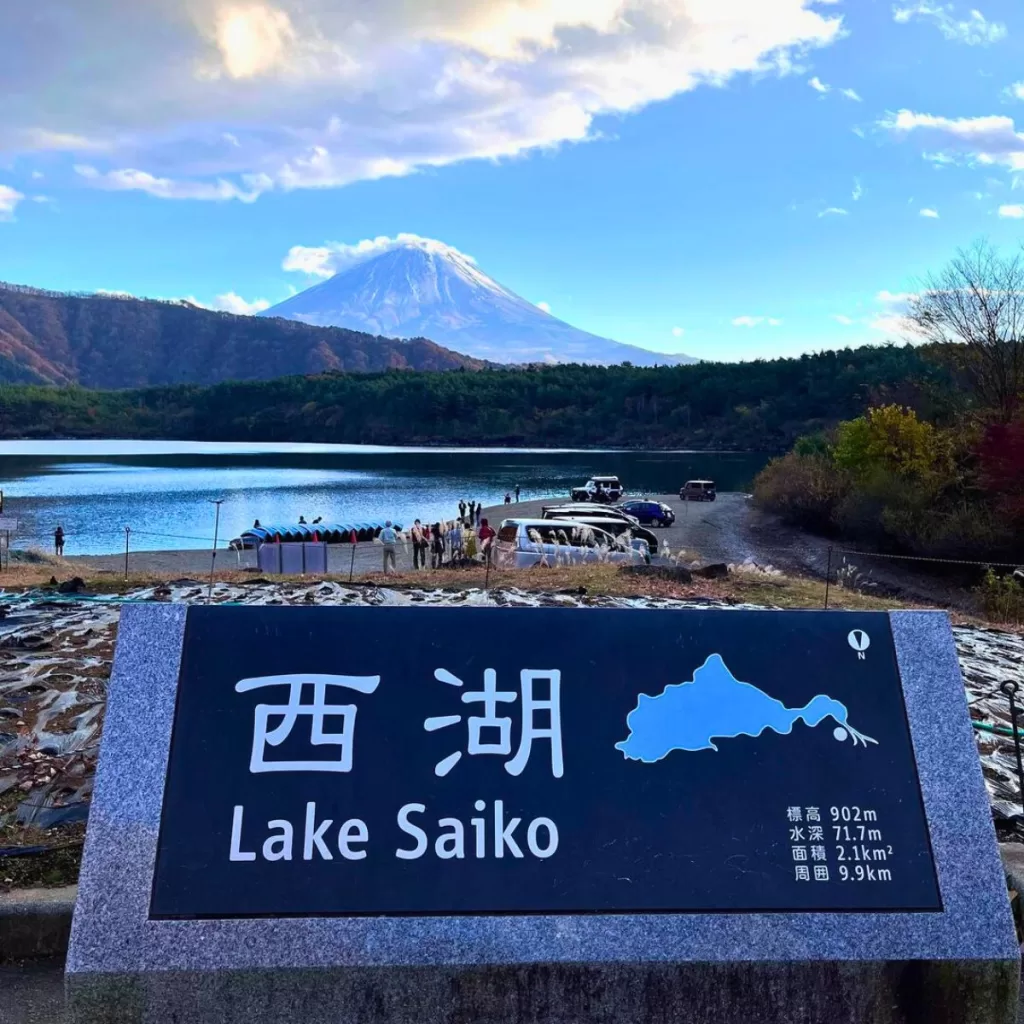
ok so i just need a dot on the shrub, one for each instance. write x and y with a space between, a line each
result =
803 489
813 444
1002 597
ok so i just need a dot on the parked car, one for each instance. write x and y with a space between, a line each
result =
618 528
586 509
523 543
616 525
598 488
647 512
698 490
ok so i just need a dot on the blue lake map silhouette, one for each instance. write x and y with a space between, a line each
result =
716 705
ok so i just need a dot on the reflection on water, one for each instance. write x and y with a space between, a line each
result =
162 490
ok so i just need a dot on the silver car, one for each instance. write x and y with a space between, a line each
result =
524 543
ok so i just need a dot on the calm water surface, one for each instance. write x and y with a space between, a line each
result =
163 489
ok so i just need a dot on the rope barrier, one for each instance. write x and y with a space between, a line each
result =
173 536
924 558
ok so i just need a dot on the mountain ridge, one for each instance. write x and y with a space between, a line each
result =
424 288
115 341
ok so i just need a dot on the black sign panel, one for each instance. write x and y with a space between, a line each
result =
389 761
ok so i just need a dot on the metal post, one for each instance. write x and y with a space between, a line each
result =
213 557
127 532
828 574
1010 689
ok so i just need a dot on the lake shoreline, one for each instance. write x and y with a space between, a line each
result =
165 493
355 448
730 531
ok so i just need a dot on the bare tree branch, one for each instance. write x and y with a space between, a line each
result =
978 301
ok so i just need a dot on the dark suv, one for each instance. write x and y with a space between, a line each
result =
698 490
649 513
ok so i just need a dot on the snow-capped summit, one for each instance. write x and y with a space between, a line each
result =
423 288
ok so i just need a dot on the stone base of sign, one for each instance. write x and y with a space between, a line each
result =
35 923
825 993
959 965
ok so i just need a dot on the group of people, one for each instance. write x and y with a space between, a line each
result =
469 512
449 543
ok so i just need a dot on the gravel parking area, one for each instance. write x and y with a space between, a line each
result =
711 531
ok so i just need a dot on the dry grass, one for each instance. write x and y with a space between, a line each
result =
590 580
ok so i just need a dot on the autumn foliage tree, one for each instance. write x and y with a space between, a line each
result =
889 439
1001 459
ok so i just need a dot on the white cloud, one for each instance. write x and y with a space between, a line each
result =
932 214
1012 211
1015 91
990 140
834 211
332 257
545 306
891 319
58 142
895 300
858 190
230 302
974 30
844 320
819 86
37 175
9 199
113 294
756 321
225 99
678 332
253 39
891 324
128 179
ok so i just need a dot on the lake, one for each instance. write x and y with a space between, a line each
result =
163 489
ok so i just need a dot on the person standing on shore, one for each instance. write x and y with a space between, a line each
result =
455 541
389 538
486 540
479 510
436 546
462 510
58 541
472 512
517 494
419 546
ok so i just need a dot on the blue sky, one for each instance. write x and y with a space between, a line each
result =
729 178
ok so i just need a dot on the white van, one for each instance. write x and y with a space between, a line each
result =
523 543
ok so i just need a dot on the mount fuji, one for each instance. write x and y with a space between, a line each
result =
423 289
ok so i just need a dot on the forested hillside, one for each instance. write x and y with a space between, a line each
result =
761 405
114 342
